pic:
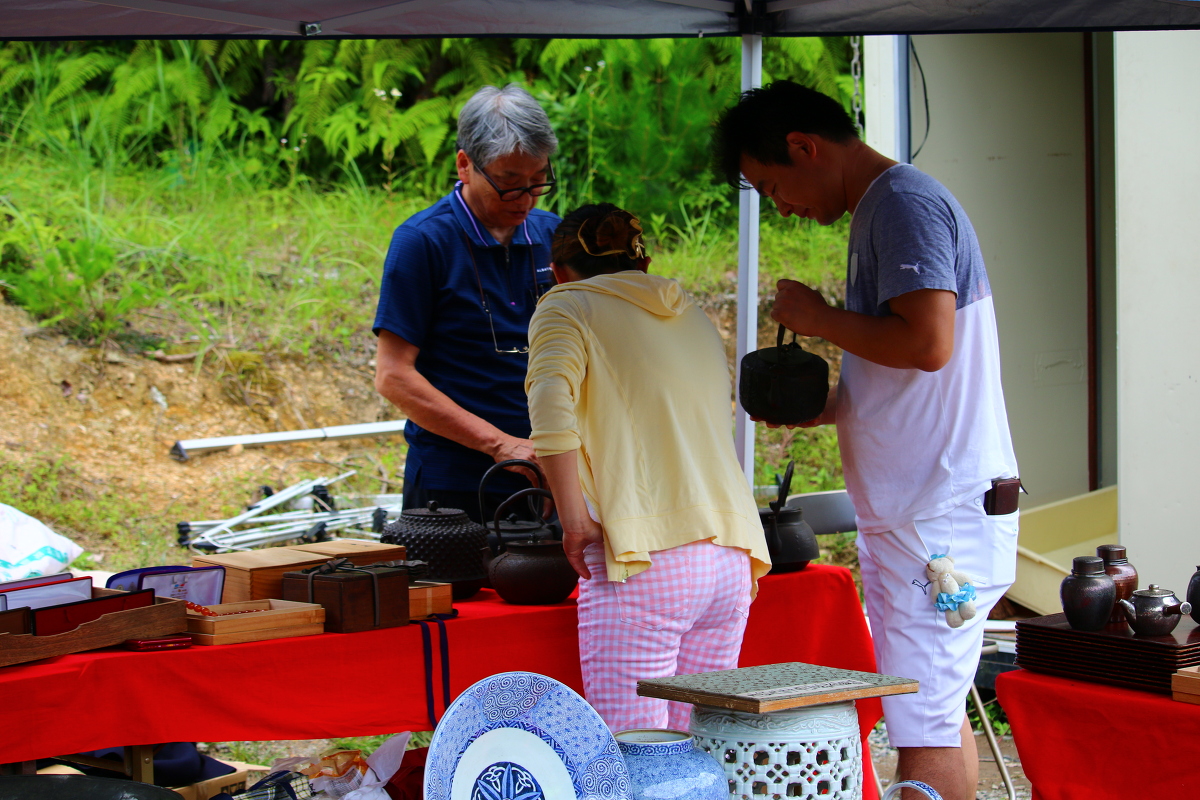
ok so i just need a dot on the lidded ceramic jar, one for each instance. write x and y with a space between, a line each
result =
666 763
1088 594
1123 575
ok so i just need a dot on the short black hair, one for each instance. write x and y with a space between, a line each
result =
760 122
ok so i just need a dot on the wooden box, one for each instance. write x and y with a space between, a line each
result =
267 619
428 597
359 551
349 598
165 617
256 574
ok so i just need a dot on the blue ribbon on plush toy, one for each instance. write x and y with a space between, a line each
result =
950 602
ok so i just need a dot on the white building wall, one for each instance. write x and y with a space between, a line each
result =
1157 111
1007 136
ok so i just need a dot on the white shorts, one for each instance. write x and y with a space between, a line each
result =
912 638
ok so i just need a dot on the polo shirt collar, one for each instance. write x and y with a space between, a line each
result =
475 230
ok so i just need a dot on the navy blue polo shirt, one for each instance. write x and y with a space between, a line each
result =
430 297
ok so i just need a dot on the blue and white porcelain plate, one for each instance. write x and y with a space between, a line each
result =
523 736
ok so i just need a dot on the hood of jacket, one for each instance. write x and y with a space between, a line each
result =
661 296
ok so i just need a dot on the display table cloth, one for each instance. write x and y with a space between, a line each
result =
1078 739
335 685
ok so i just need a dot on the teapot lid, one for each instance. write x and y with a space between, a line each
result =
433 511
1153 590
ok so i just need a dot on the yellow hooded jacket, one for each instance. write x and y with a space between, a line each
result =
629 371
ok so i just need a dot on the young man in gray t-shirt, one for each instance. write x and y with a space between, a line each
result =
919 407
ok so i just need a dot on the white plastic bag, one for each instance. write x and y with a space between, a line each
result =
28 548
383 762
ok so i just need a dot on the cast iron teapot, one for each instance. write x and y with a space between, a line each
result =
790 540
784 384
448 540
511 528
530 571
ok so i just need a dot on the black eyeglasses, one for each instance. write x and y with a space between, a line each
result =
536 190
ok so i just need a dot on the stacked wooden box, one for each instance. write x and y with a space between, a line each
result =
258 574
1185 685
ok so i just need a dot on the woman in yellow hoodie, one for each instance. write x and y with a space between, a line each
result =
629 397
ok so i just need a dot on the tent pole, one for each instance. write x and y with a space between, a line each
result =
747 294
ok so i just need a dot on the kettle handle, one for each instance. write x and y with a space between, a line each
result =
783 332
530 493
512 462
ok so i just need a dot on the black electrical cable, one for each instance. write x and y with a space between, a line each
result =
924 95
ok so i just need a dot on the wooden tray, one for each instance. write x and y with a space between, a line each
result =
266 614
428 597
1127 683
1159 678
1186 635
1081 650
166 616
261 635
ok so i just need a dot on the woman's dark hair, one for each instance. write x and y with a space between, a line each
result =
760 122
598 239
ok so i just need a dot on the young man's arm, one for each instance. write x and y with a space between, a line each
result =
918 334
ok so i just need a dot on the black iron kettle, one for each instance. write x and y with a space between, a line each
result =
784 384
510 528
790 540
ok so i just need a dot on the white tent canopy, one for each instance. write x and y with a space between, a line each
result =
101 19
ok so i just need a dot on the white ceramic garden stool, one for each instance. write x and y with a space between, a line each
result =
781 730
807 752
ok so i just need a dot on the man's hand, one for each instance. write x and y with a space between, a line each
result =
510 447
799 308
576 536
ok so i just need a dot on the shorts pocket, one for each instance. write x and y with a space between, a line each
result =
647 605
1004 548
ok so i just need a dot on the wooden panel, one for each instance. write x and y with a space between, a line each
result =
264 614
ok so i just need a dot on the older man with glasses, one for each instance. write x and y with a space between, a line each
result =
460 283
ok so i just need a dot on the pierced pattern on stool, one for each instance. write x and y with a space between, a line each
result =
811 752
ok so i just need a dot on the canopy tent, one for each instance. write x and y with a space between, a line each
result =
92 19
749 19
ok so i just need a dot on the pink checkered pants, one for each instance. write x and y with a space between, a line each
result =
683 615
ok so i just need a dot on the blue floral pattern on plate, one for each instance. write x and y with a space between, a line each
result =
543 707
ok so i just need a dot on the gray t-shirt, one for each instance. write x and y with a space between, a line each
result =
916 444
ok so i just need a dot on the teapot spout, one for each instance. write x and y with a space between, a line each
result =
1127 606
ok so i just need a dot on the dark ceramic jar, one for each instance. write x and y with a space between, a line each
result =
1193 594
1123 575
445 538
1088 594
785 384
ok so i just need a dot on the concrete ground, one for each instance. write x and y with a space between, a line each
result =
991 785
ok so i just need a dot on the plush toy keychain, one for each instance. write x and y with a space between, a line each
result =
952 590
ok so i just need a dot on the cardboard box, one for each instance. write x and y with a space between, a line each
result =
234 782
258 574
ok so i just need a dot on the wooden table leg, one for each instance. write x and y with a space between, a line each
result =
139 762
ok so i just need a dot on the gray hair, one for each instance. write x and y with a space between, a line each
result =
499 122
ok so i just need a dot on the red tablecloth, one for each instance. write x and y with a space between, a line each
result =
336 685
1085 740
